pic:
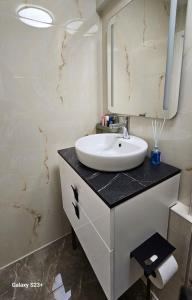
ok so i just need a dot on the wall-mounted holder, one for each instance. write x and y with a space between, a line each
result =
150 255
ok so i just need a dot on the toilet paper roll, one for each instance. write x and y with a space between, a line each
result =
164 272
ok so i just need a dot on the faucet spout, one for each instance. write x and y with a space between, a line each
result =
125 133
124 127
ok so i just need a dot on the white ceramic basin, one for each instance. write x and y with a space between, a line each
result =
110 152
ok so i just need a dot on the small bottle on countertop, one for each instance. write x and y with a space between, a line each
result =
110 120
155 156
107 121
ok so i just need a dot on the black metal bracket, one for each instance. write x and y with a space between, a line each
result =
155 247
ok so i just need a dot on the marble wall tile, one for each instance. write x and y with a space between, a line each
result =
48 99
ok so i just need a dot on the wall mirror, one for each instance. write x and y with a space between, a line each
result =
144 57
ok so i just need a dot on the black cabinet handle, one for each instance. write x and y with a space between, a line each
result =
76 207
75 191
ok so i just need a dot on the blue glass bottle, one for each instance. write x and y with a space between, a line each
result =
155 156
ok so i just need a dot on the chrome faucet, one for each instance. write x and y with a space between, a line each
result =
124 126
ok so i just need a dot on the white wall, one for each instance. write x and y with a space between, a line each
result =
48 99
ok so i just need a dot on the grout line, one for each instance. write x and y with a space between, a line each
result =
92 224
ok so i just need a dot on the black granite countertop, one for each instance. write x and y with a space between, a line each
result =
116 187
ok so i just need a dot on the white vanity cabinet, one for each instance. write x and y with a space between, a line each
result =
109 234
93 227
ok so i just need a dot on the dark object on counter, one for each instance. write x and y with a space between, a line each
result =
185 294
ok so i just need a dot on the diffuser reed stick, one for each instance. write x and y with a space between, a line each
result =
157 130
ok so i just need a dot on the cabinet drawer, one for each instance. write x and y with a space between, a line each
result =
99 256
97 211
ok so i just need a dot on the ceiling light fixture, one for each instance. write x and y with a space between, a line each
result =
35 16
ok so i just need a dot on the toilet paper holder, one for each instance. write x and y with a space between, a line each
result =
150 254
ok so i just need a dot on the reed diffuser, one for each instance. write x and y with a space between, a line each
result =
157 127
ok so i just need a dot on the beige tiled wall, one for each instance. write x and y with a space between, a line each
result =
48 99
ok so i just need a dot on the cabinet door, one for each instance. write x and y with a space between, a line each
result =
97 211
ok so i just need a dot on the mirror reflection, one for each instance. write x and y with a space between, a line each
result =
137 58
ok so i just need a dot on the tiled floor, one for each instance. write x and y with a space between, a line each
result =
65 274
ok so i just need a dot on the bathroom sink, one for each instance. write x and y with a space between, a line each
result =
111 152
